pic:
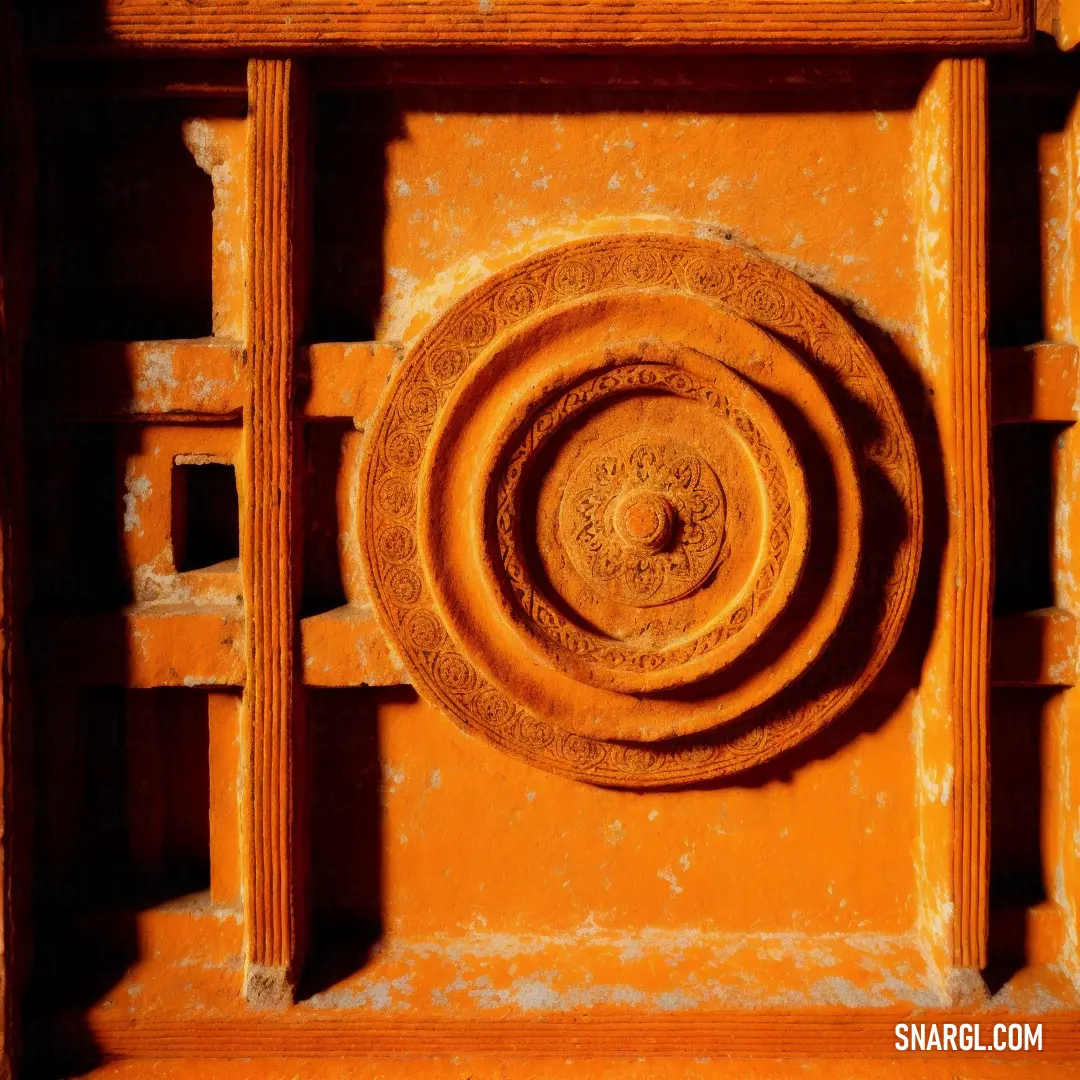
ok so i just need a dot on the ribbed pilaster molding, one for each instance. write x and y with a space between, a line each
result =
271 899
972 510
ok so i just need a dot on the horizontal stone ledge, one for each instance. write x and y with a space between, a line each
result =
203 378
346 647
106 380
280 27
147 645
345 379
151 645
1035 648
1035 383
670 1043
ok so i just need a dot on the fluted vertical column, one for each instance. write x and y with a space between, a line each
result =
275 872
953 731
971 494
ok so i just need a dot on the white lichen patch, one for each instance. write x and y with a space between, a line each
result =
546 974
668 875
614 833
137 489
204 389
155 379
933 180
381 996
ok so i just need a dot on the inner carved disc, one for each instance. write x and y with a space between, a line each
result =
631 564
643 519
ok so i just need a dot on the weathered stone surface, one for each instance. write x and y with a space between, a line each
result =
510 540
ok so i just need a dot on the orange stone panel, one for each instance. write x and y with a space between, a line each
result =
531 564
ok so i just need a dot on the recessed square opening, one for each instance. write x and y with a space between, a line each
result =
323 586
1023 516
205 516
1017 275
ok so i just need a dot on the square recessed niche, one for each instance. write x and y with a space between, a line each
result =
205 515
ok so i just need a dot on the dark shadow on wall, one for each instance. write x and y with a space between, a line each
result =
323 450
1018 121
121 779
346 832
123 221
1018 726
1024 466
122 794
352 134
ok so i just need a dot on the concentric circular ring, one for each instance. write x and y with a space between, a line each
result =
728 607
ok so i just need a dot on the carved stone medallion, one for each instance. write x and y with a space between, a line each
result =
614 511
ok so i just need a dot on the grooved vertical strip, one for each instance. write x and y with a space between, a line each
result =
971 505
268 548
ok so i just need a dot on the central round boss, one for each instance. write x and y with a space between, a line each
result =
643 519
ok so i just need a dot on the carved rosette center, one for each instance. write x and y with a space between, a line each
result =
645 521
